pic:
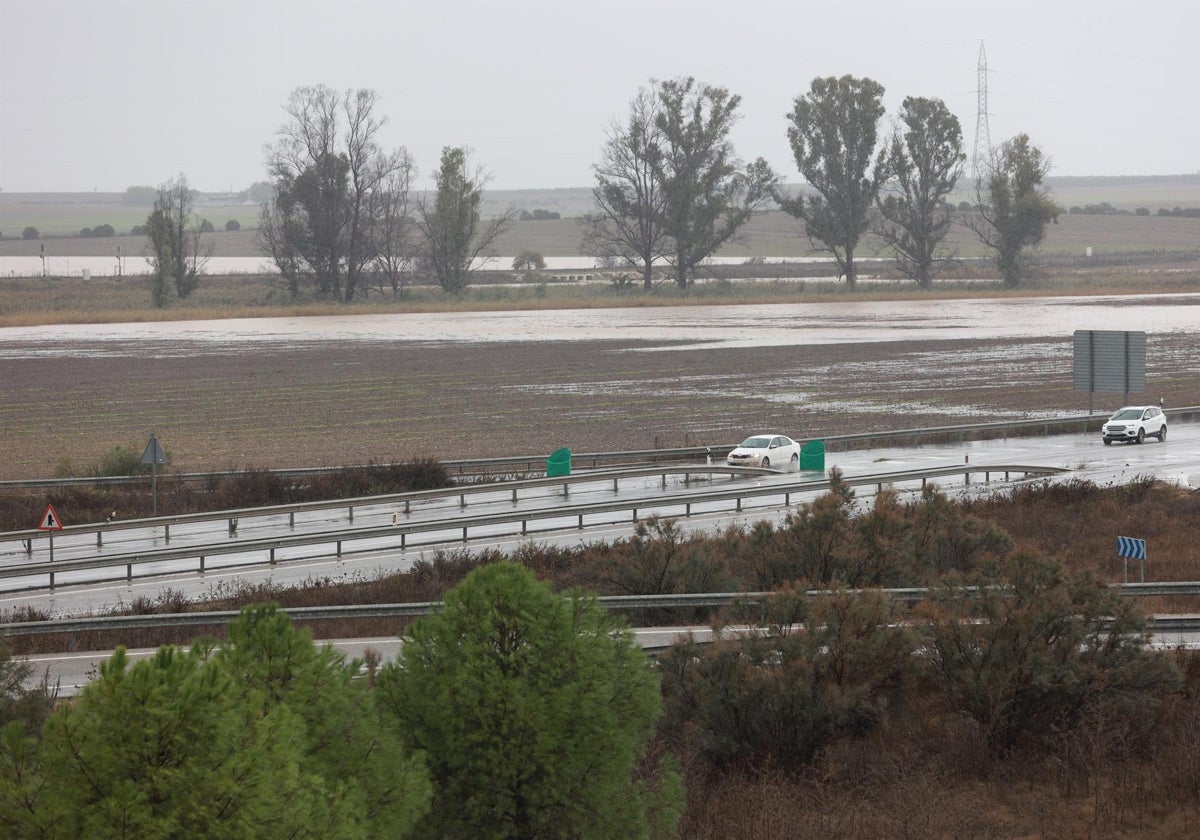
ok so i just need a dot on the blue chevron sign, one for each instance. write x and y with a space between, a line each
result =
1131 547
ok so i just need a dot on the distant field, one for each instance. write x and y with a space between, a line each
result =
60 216
773 234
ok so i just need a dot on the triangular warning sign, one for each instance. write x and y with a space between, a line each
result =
50 520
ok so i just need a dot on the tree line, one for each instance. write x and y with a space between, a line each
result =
343 213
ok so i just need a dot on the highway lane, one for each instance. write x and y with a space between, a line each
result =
71 671
1176 460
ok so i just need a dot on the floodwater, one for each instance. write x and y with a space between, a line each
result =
658 328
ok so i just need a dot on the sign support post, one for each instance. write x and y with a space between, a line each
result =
153 456
1132 547
50 522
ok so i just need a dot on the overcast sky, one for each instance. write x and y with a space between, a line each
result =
105 94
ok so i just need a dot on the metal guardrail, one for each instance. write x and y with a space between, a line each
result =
1160 623
537 463
404 500
397 534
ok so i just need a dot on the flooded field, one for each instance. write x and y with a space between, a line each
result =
340 390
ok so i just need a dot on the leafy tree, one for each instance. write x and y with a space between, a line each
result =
1035 650
924 160
1014 209
708 194
178 252
535 711
27 706
629 195
144 196
262 737
85 232
258 192
365 778
104 230
206 226
450 223
232 225
806 675
529 261
330 177
30 233
833 135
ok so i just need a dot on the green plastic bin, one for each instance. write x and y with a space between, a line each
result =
812 455
559 463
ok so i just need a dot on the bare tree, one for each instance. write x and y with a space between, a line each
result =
178 251
627 226
397 247
449 222
708 194
323 227
924 161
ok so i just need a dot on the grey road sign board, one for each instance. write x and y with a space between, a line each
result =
154 452
1110 360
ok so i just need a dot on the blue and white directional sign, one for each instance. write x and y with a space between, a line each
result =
1131 547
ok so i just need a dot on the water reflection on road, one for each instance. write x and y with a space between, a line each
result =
669 327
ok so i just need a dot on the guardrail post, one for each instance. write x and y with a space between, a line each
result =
664 481
271 555
464 534
566 489
351 513
581 522
166 533
128 572
462 500
687 511
292 519
52 580
201 564
524 526
339 548
514 495
407 506
99 539
615 485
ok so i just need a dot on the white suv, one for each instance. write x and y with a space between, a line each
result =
1135 423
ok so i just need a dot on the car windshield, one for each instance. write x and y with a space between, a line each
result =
1127 414
756 443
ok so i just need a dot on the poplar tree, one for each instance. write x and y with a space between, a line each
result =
833 132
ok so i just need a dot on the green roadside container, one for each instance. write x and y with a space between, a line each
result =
559 463
812 456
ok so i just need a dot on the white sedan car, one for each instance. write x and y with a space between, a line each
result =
1135 423
769 450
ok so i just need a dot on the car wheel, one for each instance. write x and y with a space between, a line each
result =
766 462
796 459
1141 438
1107 442
1162 433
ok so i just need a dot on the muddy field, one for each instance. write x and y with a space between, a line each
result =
338 402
